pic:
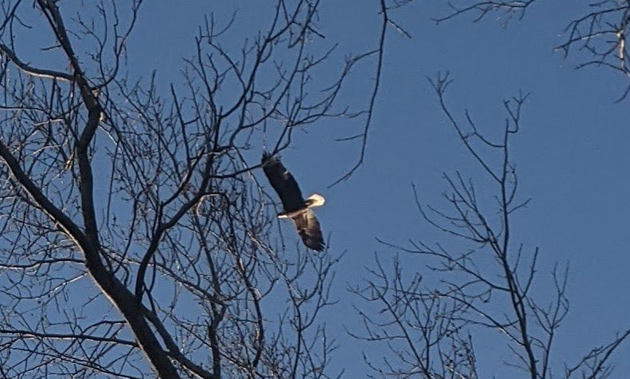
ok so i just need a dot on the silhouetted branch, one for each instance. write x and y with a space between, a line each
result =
380 54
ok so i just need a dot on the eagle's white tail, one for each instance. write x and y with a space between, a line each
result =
315 200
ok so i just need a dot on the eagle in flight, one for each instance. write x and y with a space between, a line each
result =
295 207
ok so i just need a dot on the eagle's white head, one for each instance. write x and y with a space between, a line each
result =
315 200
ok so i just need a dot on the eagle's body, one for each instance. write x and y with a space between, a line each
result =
295 207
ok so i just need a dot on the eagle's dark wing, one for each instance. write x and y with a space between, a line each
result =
283 182
309 229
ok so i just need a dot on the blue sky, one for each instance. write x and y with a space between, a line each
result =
571 154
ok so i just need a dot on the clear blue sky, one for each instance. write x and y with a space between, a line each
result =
572 153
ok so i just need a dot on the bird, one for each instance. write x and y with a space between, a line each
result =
295 207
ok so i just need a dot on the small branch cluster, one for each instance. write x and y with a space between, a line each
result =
481 9
601 34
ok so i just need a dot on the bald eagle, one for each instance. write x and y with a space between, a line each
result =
295 207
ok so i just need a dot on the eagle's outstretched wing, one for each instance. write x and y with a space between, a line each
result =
283 182
309 229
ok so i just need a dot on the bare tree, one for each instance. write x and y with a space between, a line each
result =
476 281
482 279
134 239
597 38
